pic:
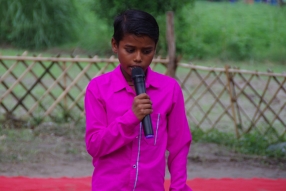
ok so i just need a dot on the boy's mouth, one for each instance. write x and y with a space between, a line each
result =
132 67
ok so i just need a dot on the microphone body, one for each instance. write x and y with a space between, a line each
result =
138 77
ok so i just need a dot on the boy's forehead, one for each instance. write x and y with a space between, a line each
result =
131 39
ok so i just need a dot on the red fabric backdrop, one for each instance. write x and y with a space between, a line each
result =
197 184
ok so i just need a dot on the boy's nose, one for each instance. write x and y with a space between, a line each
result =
138 57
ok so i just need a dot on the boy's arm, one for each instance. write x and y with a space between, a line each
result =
102 139
179 140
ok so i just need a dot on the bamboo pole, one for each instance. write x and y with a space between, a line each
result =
17 81
277 114
172 65
83 92
217 99
66 90
48 90
65 84
6 74
84 60
232 99
236 102
184 65
19 101
270 101
259 104
248 84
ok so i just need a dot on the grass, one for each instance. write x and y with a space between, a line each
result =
206 31
65 141
33 145
234 31
252 65
250 144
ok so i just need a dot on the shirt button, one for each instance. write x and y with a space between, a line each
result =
136 137
134 166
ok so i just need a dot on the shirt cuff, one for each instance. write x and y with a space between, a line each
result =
129 121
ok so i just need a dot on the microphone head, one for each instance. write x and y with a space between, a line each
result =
137 72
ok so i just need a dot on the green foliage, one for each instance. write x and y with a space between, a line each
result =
108 9
242 32
213 136
21 145
204 30
95 35
37 24
251 143
233 31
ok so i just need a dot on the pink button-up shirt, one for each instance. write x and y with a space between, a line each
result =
123 159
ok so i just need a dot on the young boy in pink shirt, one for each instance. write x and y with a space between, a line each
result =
123 158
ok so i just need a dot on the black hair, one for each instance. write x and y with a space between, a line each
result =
135 22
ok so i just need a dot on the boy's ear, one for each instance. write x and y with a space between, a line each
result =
114 45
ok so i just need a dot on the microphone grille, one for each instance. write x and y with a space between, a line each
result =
137 72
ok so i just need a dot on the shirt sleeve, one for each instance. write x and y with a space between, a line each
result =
102 139
179 140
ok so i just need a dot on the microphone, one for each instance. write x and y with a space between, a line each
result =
138 77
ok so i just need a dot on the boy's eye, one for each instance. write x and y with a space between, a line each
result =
148 51
129 50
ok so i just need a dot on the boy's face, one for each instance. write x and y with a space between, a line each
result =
134 51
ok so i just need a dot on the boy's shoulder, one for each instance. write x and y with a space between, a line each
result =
102 77
164 80
100 80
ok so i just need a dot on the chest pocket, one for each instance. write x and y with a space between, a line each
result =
159 125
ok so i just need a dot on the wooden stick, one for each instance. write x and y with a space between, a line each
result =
217 99
236 100
84 60
228 78
65 84
268 105
48 90
12 93
271 123
248 84
259 104
66 90
77 99
17 81
6 74
197 87
83 92
172 65
230 70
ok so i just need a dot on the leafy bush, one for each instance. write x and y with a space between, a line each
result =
37 24
108 9
252 143
233 31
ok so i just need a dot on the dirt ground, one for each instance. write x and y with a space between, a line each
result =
206 160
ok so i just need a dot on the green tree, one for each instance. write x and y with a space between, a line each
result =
108 9
37 24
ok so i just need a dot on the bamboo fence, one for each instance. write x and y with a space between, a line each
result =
35 88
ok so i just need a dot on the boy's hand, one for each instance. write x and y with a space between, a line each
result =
142 106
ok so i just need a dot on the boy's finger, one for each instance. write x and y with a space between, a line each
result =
146 111
143 95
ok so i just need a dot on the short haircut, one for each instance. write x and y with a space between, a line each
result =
135 22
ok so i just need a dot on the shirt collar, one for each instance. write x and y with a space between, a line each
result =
151 79
119 80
